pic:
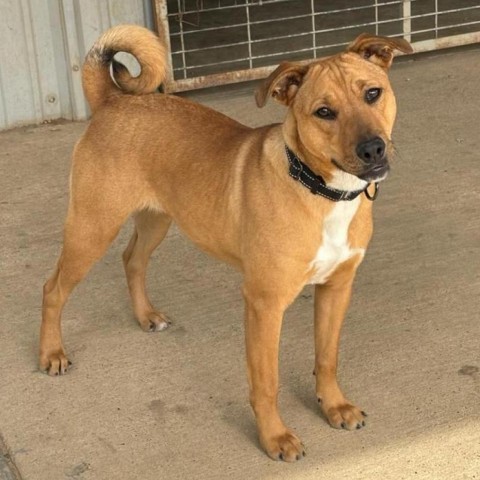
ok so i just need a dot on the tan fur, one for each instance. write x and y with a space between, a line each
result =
144 45
227 186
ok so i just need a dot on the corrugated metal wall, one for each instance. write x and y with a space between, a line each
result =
42 45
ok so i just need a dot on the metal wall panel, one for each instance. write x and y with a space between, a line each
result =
23 92
42 46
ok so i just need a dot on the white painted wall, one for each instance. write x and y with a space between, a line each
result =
42 46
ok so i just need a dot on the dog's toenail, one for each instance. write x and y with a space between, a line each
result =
363 423
364 414
70 363
280 456
358 426
297 457
319 400
313 373
304 453
343 425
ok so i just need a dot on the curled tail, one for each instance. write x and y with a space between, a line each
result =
143 44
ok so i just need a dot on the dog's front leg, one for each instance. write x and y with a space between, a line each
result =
331 303
262 334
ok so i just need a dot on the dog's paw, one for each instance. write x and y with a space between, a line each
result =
154 322
286 447
344 416
54 363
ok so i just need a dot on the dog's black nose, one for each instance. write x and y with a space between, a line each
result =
371 151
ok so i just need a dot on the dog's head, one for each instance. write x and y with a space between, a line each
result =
341 109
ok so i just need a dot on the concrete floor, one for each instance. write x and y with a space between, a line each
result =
174 405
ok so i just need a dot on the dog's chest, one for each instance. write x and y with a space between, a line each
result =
335 248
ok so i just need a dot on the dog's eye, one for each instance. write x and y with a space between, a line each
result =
372 95
326 113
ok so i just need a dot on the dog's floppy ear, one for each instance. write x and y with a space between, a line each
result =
282 84
379 50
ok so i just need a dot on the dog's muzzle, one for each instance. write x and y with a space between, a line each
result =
372 152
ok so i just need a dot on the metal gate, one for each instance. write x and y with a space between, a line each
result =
214 42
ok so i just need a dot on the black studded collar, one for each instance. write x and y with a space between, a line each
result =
316 184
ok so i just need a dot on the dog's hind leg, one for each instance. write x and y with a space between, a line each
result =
150 229
90 228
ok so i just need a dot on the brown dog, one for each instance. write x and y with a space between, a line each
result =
286 204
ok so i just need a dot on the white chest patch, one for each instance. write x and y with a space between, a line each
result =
334 248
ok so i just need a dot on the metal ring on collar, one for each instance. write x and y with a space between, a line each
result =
375 193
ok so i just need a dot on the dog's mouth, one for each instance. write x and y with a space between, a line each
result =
371 173
377 173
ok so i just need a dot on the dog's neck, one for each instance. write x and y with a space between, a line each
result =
317 185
